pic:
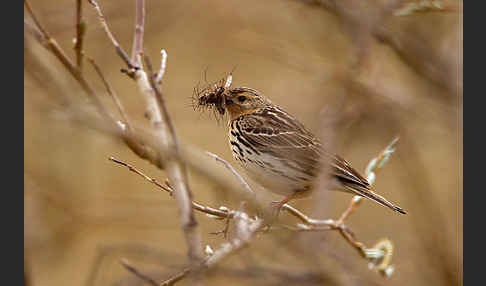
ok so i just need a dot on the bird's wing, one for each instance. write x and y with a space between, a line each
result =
274 132
346 174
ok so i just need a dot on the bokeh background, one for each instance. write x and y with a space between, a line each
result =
373 77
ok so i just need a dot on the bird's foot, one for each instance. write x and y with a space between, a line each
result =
276 208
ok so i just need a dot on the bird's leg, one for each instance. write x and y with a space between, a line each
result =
279 204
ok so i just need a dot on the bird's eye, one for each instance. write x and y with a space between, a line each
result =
241 98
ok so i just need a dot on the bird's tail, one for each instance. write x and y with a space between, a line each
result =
369 194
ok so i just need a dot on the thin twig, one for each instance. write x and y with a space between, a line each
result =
232 170
163 64
34 31
80 31
137 273
175 278
137 46
319 225
353 204
36 21
111 92
118 48
133 169
223 214
54 47
225 250
370 172
225 230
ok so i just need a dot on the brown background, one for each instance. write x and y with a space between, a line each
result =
83 213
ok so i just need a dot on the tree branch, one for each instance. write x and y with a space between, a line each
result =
53 46
137 47
118 48
137 273
80 31
164 129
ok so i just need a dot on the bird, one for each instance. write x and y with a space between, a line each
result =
276 150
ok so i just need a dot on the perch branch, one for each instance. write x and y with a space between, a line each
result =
247 228
370 254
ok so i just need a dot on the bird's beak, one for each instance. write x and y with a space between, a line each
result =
220 109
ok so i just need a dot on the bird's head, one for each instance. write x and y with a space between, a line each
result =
237 101
244 100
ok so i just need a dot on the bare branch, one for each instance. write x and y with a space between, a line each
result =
118 48
233 171
310 224
156 107
176 278
133 169
370 172
137 47
246 228
137 273
178 175
53 46
36 33
80 31
163 64
221 213
226 249
111 92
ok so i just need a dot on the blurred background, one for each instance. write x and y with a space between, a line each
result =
352 72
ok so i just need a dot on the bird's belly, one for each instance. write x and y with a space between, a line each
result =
272 179
269 172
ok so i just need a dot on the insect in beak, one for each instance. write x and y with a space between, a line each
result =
221 106
217 98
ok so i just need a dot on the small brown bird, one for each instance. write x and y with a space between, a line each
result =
275 149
